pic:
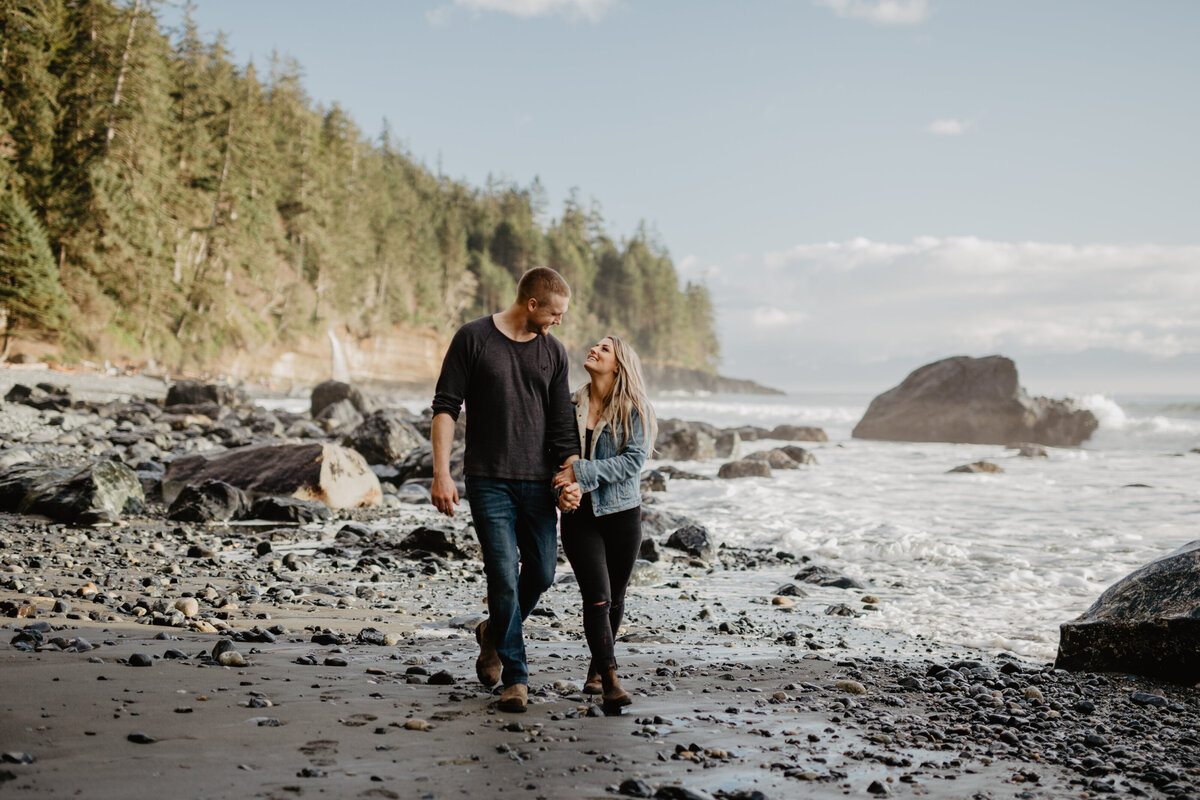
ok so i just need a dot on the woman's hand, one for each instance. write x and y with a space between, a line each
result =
565 477
570 497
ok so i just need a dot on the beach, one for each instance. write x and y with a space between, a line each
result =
354 672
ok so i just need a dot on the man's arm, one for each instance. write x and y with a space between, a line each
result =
562 435
444 492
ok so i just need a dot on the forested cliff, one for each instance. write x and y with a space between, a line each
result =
158 201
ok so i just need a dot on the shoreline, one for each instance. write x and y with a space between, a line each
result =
780 694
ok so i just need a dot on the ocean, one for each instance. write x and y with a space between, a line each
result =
986 561
990 561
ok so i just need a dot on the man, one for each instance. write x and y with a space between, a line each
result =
513 377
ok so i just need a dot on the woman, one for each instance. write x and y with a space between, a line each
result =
602 536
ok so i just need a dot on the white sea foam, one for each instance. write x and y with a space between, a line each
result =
991 561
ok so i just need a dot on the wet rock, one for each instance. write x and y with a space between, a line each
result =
383 437
339 416
137 737
194 393
635 787
1028 450
790 590
745 468
840 610
1147 623
338 477
975 400
414 493
106 486
209 501
329 392
649 551
728 444
141 660
798 433
775 459
693 540
674 473
441 541
289 509
644 574
978 466
799 454
824 576
687 443
653 481
1146 699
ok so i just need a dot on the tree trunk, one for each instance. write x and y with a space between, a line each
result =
116 101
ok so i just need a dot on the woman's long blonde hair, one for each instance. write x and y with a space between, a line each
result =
627 394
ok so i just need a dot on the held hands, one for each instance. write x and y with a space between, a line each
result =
570 497
566 476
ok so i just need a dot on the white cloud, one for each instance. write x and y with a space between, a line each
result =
948 127
772 317
590 10
861 302
880 12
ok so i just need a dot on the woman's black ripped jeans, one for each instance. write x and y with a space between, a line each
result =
602 551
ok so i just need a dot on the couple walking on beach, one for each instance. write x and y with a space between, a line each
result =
532 446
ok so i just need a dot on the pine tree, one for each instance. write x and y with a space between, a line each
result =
30 294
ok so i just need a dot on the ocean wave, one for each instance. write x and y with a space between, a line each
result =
1122 430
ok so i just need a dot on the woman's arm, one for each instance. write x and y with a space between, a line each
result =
590 473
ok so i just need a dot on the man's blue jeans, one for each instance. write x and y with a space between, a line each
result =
516 524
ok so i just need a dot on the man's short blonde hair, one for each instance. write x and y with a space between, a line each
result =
540 283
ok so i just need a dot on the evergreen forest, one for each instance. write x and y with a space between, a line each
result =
158 201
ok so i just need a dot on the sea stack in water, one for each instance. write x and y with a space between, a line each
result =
972 400
1147 623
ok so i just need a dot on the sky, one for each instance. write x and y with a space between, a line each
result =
865 186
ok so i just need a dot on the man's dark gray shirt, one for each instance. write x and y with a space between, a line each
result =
519 420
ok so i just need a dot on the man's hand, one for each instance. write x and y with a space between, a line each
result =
566 476
570 497
443 491
445 494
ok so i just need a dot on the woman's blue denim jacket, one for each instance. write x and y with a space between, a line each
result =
611 473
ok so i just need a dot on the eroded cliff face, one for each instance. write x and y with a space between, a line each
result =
403 356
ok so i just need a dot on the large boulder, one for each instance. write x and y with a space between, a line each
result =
798 433
688 443
196 393
973 400
99 492
334 475
208 501
745 468
1147 623
326 393
384 437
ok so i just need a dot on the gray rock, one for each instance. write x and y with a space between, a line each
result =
685 444
644 574
975 400
824 576
107 487
209 501
1147 623
653 481
978 466
329 392
339 416
775 459
745 468
194 393
289 509
384 436
799 454
728 445
798 433
693 540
